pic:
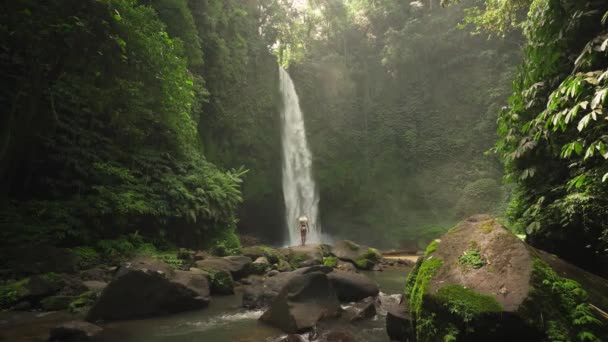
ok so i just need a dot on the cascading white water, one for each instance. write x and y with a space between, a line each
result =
299 190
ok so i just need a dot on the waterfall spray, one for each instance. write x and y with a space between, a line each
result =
299 190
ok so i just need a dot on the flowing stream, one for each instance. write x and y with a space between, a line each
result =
223 320
299 190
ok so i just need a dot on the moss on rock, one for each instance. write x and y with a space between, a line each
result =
330 262
367 260
221 282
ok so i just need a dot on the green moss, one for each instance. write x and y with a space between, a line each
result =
296 259
411 278
424 274
83 301
466 304
472 258
259 268
330 262
52 278
455 309
432 247
368 259
11 292
270 254
86 256
558 306
221 282
487 226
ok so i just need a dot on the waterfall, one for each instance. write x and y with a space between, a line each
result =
299 190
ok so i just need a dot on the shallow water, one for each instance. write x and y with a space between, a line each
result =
223 320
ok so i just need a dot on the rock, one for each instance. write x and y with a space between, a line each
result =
362 310
398 324
304 256
352 286
54 303
361 256
346 266
74 331
304 300
200 255
292 338
148 287
221 282
238 266
261 293
97 274
94 285
284 266
338 336
487 284
44 285
272 273
254 252
260 265
22 306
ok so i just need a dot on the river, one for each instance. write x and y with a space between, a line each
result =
223 320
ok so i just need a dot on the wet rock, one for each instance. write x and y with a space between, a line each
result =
292 338
74 331
94 285
148 287
352 287
338 336
54 303
261 293
346 266
361 256
304 300
238 266
398 324
363 310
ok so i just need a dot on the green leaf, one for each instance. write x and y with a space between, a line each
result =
584 122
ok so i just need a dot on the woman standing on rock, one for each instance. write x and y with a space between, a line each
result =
303 227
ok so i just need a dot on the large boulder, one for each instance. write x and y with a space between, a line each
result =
351 286
261 293
480 282
74 331
304 256
237 265
305 300
363 257
147 287
399 324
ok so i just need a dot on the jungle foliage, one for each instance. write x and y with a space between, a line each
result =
553 134
103 107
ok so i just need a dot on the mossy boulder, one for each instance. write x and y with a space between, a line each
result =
480 282
305 256
255 252
147 287
362 257
238 266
